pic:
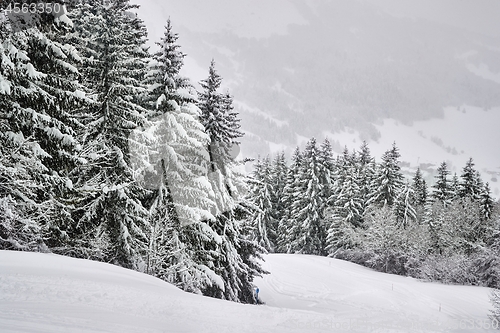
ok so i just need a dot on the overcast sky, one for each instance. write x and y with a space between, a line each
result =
481 16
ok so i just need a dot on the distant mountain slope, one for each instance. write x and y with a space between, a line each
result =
314 68
50 293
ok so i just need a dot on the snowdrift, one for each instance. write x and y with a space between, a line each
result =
50 293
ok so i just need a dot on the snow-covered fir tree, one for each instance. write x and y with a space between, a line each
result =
110 38
366 171
470 181
388 179
180 206
454 187
327 172
288 227
278 177
486 201
220 122
441 190
262 189
419 187
345 205
163 77
311 233
222 126
349 204
21 166
40 92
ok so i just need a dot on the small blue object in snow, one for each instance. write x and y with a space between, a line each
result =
257 291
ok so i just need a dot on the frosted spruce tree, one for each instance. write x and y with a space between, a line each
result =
470 181
39 94
179 202
345 214
348 203
261 189
366 171
311 233
454 187
279 171
288 227
419 186
327 165
487 203
21 167
441 189
234 256
388 179
110 39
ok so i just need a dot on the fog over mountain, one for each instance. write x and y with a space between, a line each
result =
425 74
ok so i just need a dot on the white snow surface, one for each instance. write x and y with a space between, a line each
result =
50 293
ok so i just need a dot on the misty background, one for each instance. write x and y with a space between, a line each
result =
425 74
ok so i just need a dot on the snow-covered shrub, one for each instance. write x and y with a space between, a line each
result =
16 232
487 268
395 248
356 256
495 313
456 269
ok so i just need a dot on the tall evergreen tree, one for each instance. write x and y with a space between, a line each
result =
111 41
222 127
470 184
263 218
288 227
366 166
278 178
179 205
441 189
349 202
420 188
325 159
39 90
486 202
164 79
311 235
219 120
454 187
388 179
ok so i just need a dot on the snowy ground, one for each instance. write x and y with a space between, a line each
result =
50 293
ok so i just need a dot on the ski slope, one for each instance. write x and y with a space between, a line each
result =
50 293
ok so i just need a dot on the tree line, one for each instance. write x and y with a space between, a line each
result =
354 208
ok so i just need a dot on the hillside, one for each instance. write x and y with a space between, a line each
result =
50 293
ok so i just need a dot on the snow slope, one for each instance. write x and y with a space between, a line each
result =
50 293
332 294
